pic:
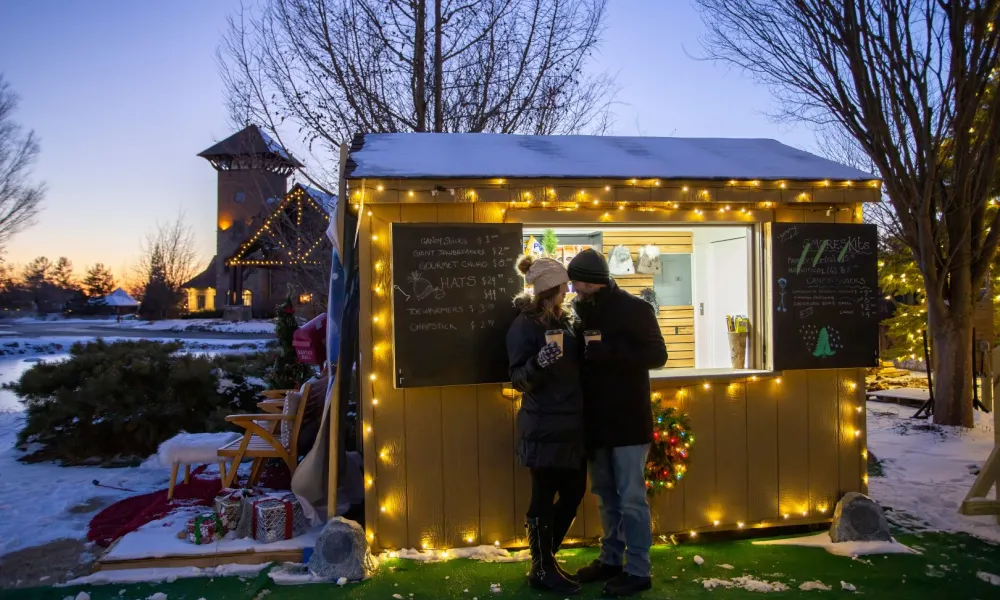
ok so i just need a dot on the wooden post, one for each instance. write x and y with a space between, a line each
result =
987 376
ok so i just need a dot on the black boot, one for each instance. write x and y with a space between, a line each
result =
627 584
560 527
598 571
544 574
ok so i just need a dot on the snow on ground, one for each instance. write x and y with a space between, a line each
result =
927 470
263 326
167 574
211 325
822 540
159 538
14 346
44 502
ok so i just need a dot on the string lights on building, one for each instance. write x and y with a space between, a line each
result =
601 201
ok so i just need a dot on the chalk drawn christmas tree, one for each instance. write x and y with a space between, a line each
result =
823 348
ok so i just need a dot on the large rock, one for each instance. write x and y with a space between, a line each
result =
341 551
858 518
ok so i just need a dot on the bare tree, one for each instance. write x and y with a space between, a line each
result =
328 69
914 84
168 252
20 200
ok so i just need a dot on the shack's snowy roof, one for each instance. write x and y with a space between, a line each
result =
485 155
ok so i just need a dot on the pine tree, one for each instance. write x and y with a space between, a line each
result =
159 299
550 241
99 281
62 274
823 348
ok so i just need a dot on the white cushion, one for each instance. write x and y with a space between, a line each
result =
193 448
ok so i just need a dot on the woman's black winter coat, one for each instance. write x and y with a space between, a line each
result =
550 421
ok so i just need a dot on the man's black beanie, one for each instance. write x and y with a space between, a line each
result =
589 266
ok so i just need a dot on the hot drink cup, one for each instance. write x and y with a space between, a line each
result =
554 335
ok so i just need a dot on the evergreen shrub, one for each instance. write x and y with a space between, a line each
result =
114 403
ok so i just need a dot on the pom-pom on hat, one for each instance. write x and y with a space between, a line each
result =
542 273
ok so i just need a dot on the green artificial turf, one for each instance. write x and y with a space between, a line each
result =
946 569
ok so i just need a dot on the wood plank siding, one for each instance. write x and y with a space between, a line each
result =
440 462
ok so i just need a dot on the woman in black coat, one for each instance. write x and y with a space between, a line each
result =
550 421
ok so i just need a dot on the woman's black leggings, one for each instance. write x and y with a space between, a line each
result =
569 484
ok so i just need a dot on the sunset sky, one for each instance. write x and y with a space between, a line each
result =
123 94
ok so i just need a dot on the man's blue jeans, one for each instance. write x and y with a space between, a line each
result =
617 477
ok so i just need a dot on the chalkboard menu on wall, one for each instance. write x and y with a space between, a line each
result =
453 287
825 291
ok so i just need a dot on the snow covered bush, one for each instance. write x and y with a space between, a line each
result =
113 403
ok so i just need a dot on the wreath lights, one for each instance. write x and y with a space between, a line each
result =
668 454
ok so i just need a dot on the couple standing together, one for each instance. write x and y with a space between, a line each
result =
585 407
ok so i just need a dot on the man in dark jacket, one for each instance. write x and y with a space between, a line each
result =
618 418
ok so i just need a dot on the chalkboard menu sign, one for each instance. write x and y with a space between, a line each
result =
825 291
453 287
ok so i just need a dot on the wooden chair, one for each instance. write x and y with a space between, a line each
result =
262 439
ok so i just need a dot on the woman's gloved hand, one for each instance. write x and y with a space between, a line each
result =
549 354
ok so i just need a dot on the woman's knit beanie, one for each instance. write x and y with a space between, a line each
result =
542 273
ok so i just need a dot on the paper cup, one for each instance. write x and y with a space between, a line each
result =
554 335
591 336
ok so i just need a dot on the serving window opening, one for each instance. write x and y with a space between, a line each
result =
700 281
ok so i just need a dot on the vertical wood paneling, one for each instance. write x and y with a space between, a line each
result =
424 446
701 506
389 416
824 439
851 387
460 453
731 450
762 451
460 440
496 465
499 519
791 396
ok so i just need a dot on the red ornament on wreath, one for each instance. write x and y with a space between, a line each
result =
668 454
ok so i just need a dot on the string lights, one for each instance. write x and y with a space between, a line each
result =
302 200
601 200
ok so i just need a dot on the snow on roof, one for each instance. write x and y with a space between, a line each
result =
120 297
249 141
483 155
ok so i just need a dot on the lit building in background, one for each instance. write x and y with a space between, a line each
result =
270 240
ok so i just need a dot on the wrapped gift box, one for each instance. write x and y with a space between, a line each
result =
277 517
204 529
229 505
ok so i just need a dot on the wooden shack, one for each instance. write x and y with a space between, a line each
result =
740 227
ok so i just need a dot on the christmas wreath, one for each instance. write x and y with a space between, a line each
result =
668 454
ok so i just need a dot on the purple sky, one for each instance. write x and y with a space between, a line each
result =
123 94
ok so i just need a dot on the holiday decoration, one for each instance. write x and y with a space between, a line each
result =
666 463
204 529
287 371
823 344
229 505
277 517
